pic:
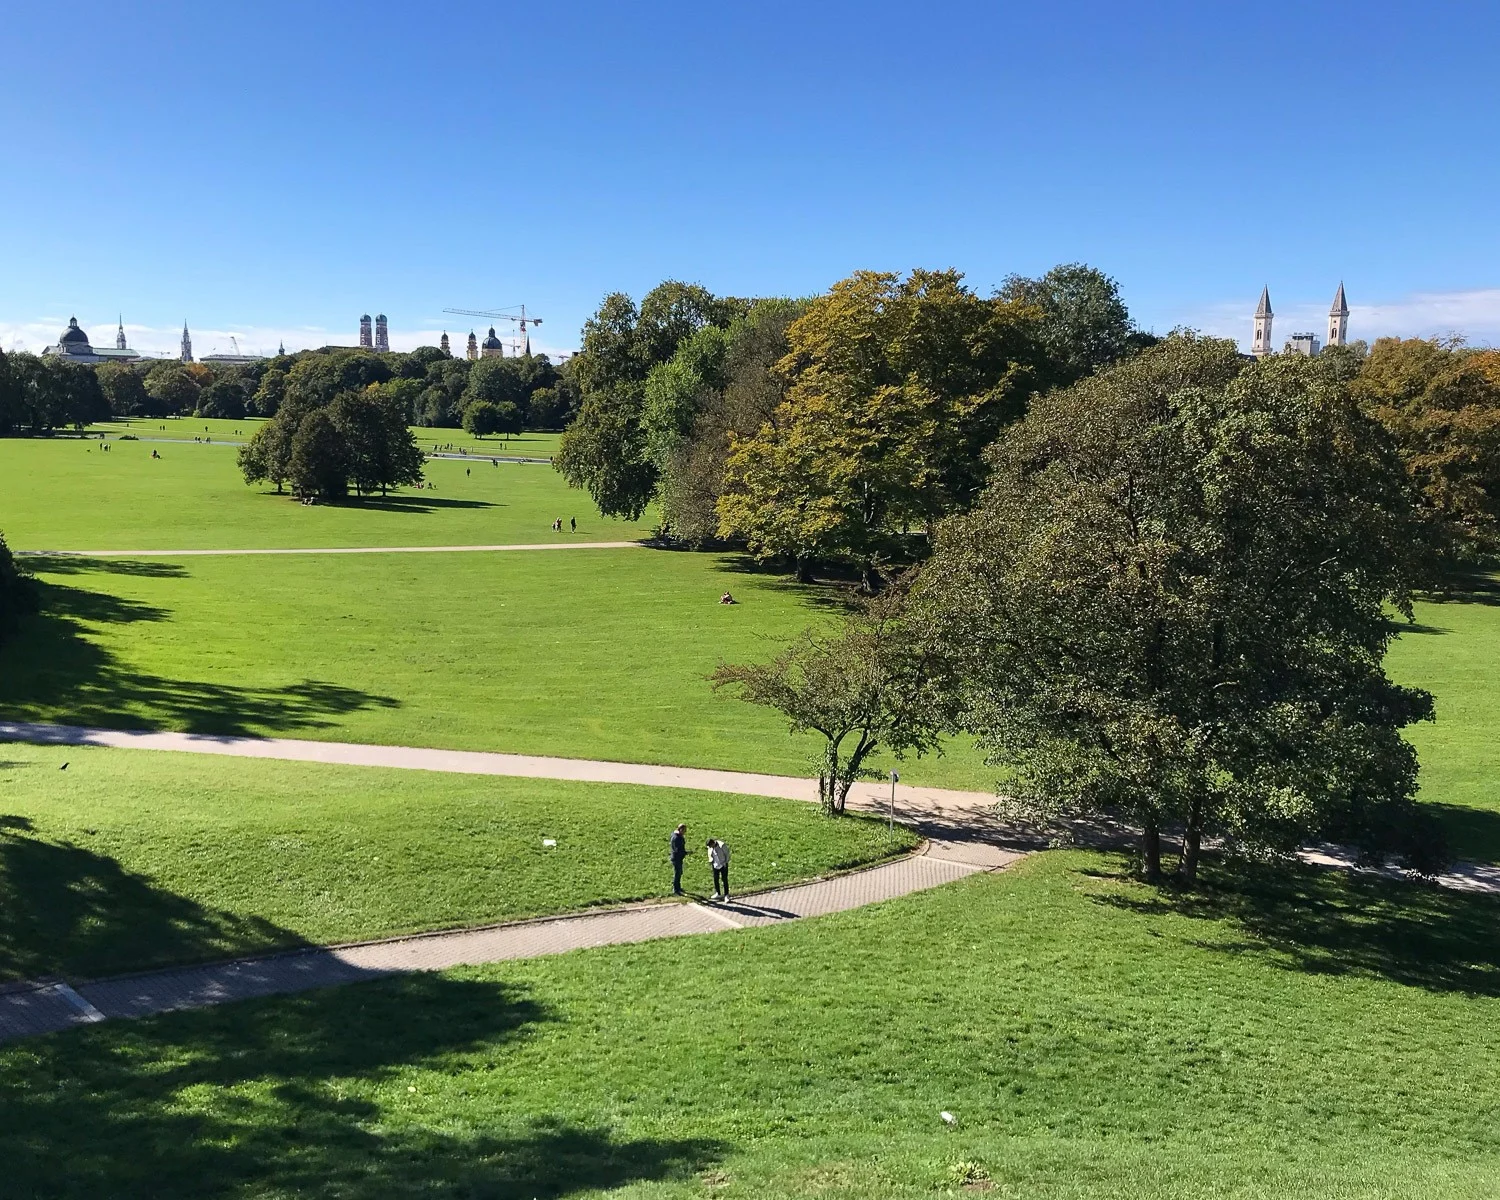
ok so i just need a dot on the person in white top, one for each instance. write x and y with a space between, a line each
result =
718 860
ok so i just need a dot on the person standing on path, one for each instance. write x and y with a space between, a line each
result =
678 853
718 861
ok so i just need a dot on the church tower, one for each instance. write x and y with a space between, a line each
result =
366 342
382 335
120 335
443 345
1338 320
473 352
1263 315
187 344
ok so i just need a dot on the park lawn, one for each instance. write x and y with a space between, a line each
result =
529 445
1282 1034
1454 652
69 494
586 654
132 859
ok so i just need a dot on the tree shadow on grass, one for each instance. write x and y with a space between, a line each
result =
53 671
328 1093
1473 587
73 911
417 504
829 592
77 564
1331 922
1473 833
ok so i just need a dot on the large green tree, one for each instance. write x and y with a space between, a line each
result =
605 449
894 387
1170 605
1085 324
1441 402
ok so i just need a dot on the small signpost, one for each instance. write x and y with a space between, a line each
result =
891 820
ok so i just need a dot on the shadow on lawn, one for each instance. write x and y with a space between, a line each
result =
69 564
1330 922
1466 588
52 671
73 911
309 1095
1473 833
417 504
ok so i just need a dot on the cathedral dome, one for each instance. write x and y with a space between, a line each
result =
72 335
492 342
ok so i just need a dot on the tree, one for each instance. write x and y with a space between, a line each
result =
893 388
18 595
1441 402
1085 324
223 398
604 450
380 451
123 388
872 684
485 417
267 456
319 464
172 390
268 395
676 391
1169 605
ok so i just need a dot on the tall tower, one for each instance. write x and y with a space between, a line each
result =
280 349
365 341
443 345
382 334
473 352
187 344
1338 319
120 335
1263 315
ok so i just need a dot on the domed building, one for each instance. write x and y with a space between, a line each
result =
73 345
492 348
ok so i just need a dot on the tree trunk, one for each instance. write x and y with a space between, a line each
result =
804 570
1192 841
1152 844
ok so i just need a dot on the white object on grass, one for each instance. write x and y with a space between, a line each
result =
549 841
948 1118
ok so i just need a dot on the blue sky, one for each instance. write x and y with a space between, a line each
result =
279 169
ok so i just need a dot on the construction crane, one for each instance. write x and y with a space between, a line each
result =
519 320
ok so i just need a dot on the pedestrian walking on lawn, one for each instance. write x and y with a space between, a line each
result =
718 861
678 853
573 522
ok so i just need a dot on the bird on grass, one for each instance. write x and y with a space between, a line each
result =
64 767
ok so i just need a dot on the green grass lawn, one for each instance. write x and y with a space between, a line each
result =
588 654
1307 1035
69 494
1454 652
131 859
529 445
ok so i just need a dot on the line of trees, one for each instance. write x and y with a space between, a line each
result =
41 394
1151 579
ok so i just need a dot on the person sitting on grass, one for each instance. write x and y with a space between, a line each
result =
718 861
726 598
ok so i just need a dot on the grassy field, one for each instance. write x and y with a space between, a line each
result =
588 654
67 494
1308 1035
529 445
1454 652
132 859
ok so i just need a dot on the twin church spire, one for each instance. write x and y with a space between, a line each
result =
1300 343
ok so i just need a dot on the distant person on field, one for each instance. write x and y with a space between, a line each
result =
573 523
726 598
678 853
718 861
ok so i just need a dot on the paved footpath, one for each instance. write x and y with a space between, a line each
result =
331 550
49 1006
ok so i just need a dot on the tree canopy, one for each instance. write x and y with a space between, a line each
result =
1169 605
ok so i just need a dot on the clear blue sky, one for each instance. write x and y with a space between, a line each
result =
274 168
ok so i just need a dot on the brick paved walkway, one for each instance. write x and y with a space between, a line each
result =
48 1006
